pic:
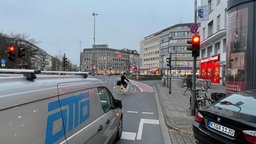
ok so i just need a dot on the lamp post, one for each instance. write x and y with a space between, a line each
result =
80 42
94 53
94 16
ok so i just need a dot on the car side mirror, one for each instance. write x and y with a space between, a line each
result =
117 103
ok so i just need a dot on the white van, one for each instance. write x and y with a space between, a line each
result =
47 109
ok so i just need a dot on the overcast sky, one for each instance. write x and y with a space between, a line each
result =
59 25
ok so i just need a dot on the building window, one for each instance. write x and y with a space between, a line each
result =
203 53
210 28
217 48
203 33
225 18
218 23
224 45
210 6
209 50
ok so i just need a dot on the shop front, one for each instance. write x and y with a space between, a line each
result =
210 69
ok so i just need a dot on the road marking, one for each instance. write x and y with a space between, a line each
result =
135 112
149 113
145 121
128 135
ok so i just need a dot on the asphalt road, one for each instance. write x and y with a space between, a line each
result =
141 122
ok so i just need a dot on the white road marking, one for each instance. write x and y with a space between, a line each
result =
128 135
135 112
145 121
150 113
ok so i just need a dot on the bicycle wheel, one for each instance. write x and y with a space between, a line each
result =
132 89
201 103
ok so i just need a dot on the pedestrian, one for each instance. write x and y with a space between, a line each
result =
189 83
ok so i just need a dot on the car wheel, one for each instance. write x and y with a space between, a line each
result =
119 130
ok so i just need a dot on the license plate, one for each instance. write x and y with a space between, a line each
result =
221 128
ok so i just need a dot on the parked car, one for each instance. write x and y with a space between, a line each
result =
230 120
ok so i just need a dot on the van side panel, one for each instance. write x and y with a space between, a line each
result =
82 112
27 123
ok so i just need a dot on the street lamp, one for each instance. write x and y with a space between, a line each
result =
94 15
80 42
94 54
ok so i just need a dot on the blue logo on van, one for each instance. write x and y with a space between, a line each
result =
74 111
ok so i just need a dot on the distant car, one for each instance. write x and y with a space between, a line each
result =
230 120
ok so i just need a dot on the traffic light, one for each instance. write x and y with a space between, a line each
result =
65 62
21 52
119 56
195 45
168 61
11 51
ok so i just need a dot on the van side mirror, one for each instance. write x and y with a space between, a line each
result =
117 103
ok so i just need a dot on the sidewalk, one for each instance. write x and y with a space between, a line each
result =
175 107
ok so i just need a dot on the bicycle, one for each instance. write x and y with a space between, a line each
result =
120 89
202 99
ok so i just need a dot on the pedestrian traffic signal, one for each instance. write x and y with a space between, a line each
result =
21 52
195 45
11 51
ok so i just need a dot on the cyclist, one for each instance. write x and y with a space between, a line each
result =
123 78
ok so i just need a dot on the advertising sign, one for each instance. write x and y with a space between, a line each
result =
237 32
210 68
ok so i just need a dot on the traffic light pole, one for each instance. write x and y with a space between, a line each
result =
193 98
170 80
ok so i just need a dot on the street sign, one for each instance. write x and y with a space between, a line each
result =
194 28
202 13
3 61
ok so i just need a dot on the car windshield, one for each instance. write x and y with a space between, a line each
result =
239 103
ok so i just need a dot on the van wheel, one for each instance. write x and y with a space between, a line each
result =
119 130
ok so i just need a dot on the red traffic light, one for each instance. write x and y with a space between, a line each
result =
11 49
119 56
196 39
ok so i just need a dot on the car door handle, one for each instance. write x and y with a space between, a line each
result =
100 128
108 121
